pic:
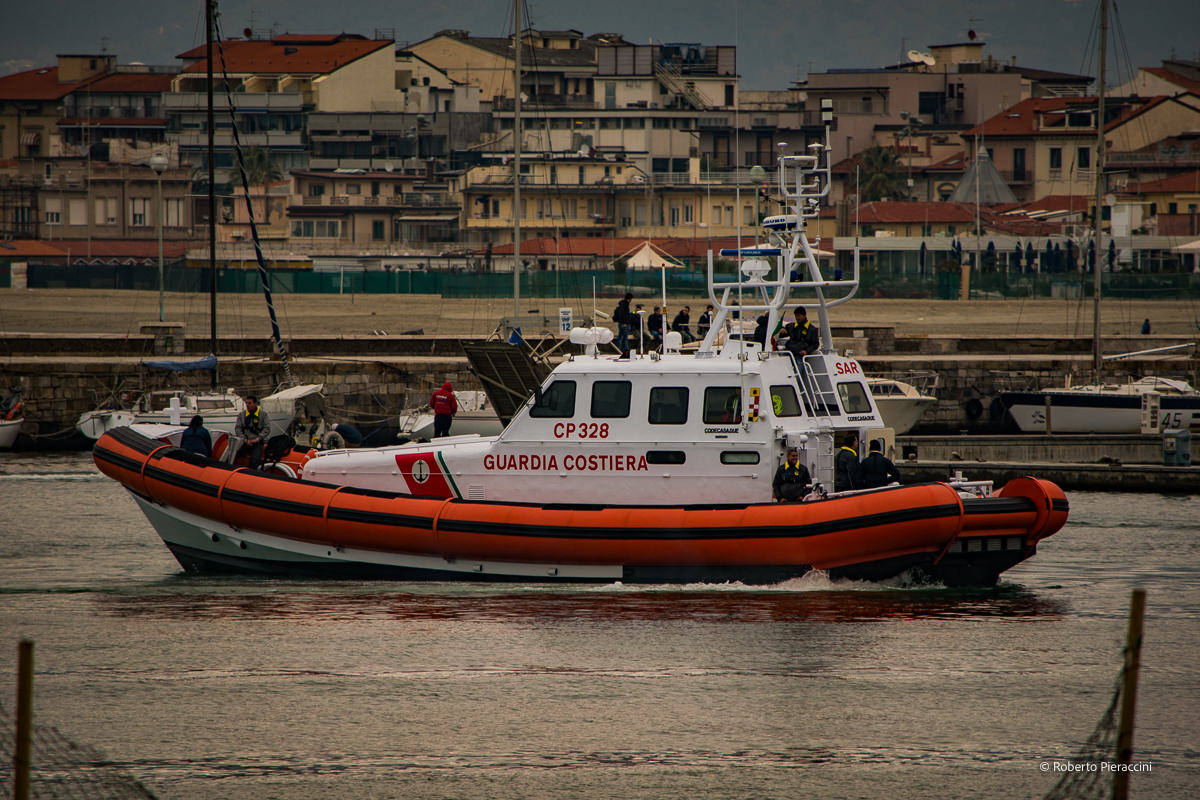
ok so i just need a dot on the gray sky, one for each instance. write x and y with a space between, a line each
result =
778 40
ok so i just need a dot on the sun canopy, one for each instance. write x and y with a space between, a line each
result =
647 256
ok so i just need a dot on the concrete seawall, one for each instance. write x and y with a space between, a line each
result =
369 378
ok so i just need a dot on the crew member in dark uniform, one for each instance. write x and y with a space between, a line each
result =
803 338
878 469
847 472
792 480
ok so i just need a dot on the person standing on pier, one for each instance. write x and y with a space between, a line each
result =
445 406
252 426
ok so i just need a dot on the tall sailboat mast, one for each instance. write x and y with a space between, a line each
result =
1097 217
209 12
516 161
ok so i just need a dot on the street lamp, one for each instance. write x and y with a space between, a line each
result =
158 163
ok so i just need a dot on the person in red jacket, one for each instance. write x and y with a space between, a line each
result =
444 407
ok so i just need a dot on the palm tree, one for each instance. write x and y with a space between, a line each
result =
882 176
261 170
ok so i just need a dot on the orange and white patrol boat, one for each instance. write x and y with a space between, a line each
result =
653 468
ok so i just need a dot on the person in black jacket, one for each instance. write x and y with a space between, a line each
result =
196 438
792 480
878 469
681 324
624 318
705 322
803 338
847 472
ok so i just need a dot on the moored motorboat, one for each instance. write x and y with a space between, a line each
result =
651 468
900 403
1148 405
475 415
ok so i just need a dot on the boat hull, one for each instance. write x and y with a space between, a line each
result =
901 414
9 428
217 518
1096 412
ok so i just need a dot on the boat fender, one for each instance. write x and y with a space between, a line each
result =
332 440
973 408
14 411
996 409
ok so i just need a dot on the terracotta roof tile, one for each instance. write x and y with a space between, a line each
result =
34 84
292 54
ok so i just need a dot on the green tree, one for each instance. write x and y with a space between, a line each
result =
261 170
883 175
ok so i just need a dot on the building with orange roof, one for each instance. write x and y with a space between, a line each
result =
1047 145
274 84
31 103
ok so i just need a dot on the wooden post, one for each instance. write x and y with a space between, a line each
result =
1049 426
21 757
1133 663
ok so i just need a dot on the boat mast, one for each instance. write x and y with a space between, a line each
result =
209 12
516 162
1097 216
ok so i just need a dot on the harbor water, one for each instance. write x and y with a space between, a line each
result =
205 688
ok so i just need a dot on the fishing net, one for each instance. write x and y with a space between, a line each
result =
64 770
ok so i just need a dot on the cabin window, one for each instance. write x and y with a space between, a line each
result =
557 401
611 398
854 398
665 457
739 456
784 402
668 405
722 404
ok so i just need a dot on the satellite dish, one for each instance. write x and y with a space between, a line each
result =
928 59
915 56
971 34
249 34
388 167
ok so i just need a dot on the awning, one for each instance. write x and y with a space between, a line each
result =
31 139
429 218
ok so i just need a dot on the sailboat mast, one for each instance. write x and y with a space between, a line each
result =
1097 217
212 191
516 161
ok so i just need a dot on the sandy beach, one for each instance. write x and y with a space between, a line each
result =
124 312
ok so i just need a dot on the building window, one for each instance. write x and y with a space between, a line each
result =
137 212
1018 163
77 211
316 189
1055 158
53 211
1084 158
353 188
377 230
173 212
106 211
783 401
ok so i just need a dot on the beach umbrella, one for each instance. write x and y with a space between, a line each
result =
956 251
1048 257
1016 258
1091 255
1072 257
1112 255
990 255
1058 258
1030 258
921 256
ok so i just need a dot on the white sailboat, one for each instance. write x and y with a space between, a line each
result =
1148 405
